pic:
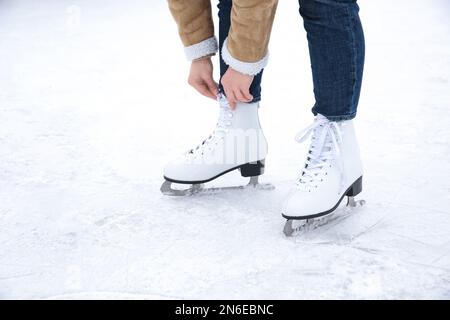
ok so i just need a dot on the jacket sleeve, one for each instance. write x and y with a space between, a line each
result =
246 48
195 27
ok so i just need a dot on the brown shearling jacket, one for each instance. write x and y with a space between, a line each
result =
245 49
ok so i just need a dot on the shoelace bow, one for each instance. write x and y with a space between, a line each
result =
325 146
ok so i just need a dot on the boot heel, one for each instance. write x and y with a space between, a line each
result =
252 169
355 189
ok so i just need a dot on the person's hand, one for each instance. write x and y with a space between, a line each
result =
236 86
201 78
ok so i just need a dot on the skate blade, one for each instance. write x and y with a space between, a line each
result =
167 188
296 227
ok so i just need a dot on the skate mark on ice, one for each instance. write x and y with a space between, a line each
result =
367 250
370 228
410 239
427 266
345 235
17 276
440 257
325 223
125 295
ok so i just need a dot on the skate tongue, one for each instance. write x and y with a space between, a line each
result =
224 121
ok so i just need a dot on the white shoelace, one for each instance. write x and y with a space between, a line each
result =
325 146
223 123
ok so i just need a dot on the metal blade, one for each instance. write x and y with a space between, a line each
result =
167 189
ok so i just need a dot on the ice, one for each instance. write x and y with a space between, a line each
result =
94 101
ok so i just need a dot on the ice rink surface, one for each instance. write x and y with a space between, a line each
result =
94 102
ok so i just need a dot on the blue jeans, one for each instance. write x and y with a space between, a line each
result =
336 48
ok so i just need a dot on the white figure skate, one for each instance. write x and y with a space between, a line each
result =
332 171
237 142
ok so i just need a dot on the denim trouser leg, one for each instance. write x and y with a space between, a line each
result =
224 26
336 47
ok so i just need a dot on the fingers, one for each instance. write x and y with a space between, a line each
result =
206 87
237 86
231 97
236 95
205 90
201 78
243 96
247 96
212 86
